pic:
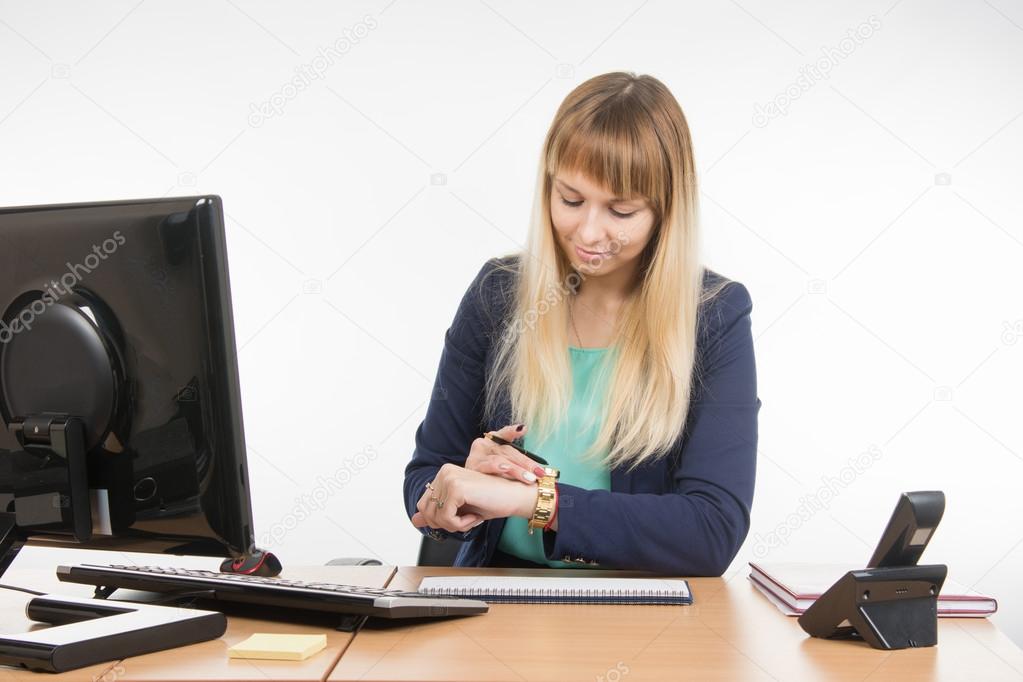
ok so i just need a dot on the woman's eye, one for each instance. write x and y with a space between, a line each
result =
576 204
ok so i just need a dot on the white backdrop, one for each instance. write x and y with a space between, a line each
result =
860 174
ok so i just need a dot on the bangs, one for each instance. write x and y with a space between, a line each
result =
617 151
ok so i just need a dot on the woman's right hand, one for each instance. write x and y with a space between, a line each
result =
487 457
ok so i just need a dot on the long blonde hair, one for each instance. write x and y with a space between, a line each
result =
628 134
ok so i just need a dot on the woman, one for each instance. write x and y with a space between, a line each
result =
611 352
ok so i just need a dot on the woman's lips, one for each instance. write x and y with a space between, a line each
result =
586 255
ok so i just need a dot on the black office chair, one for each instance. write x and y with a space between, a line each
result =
435 553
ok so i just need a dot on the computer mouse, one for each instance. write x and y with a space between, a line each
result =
260 563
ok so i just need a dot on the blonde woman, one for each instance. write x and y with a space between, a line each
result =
606 348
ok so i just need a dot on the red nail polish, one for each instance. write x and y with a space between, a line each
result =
539 472
520 427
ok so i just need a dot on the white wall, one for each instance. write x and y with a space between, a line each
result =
887 295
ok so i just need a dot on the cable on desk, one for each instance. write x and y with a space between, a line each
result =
21 589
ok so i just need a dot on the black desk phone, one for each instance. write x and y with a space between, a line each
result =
893 602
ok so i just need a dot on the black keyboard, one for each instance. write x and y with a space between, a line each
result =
277 592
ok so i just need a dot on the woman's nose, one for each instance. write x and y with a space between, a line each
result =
591 229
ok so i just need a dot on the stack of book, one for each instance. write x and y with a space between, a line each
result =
793 587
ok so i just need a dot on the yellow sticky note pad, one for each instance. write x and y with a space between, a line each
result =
278 647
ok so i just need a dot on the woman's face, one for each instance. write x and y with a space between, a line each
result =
599 233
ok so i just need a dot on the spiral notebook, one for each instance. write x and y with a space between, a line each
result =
543 590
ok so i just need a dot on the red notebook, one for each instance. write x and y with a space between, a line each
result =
793 587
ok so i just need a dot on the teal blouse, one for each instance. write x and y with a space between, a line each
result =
572 436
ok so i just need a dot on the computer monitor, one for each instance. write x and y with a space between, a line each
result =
119 382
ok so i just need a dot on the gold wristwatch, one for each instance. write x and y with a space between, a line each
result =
545 499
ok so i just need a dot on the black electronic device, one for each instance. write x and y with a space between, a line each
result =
120 398
119 384
909 529
122 423
889 608
893 603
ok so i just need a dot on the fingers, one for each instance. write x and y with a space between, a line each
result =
470 521
520 465
448 516
514 469
512 431
508 462
445 516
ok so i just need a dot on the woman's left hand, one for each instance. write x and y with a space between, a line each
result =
466 498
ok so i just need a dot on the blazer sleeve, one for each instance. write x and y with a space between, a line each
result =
698 527
454 414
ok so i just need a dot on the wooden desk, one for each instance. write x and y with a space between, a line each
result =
731 632
204 661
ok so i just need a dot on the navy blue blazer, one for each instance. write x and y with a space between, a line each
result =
687 513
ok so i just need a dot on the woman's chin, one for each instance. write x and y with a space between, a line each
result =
594 267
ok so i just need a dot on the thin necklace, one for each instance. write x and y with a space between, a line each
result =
571 317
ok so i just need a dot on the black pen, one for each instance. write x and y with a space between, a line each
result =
501 441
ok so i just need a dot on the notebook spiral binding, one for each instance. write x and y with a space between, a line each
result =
566 596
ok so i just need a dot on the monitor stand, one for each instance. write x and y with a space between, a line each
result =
86 632
55 437
11 540
51 437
